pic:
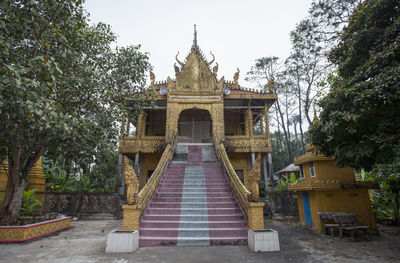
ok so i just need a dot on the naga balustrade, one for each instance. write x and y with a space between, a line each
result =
137 202
247 199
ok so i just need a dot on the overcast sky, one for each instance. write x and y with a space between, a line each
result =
237 32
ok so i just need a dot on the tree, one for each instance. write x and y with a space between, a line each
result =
61 85
266 70
360 121
329 17
386 200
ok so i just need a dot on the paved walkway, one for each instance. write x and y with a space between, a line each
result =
85 242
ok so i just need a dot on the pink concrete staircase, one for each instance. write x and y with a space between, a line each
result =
193 205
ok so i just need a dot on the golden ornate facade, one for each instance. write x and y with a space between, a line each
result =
199 107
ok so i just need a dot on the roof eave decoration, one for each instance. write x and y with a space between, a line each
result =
331 185
312 155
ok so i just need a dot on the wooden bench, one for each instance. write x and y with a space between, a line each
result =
328 221
348 222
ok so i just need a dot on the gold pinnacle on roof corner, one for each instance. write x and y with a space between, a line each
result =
315 121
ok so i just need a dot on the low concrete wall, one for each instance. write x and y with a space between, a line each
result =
77 204
282 203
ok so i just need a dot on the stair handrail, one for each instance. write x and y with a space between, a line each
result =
240 189
144 196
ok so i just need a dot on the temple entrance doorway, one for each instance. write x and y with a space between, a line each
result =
194 126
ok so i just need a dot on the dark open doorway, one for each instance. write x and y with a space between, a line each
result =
194 126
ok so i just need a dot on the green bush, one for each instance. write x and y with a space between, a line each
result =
30 205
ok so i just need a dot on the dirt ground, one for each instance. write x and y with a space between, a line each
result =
86 241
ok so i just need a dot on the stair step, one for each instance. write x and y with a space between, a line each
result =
187 190
173 241
191 211
194 181
191 195
193 232
191 224
193 199
193 204
193 218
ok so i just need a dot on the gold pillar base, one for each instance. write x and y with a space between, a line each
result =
131 217
255 216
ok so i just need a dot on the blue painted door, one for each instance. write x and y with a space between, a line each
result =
307 209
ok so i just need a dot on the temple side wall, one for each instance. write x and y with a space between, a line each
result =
148 162
240 162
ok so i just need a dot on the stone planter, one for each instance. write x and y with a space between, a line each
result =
263 240
28 232
122 241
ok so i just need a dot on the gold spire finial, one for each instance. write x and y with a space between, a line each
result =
194 37
315 116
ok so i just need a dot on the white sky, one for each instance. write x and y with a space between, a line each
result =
237 32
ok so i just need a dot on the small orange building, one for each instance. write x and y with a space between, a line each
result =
324 187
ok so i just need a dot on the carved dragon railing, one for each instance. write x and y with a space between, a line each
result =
248 198
139 200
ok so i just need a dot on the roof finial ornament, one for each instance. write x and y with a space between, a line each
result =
316 120
177 60
236 77
212 61
194 37
152 78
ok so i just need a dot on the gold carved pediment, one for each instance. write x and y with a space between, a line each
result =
195 77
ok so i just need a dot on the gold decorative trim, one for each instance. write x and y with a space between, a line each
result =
28 232
256 143
310 157
146 144
330 185
252 96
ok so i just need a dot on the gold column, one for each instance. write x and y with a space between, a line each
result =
141 124
255 216
131 217
249 122
266 121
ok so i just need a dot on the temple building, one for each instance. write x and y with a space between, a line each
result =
194 106
204 142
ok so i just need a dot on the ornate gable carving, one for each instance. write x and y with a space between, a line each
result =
195 77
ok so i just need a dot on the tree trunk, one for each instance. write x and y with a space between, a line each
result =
285 132
295 130
396 208
288 133
19 168
300 120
